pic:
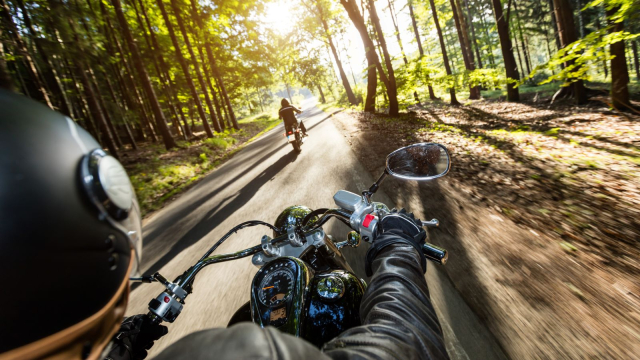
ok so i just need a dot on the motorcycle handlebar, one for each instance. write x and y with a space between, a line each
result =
435 253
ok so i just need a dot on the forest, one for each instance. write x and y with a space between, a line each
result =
538 102
140 70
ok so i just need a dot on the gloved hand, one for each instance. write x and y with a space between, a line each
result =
136 336
397 227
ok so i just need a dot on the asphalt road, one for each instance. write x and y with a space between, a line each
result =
257 184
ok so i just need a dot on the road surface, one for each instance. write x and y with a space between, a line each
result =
257 184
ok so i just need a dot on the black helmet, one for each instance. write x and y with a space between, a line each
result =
69 231
284 102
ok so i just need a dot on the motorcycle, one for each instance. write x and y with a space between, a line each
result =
305 286
294 136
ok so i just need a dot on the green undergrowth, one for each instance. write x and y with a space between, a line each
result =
158 175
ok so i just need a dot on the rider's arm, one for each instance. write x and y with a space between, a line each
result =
398 318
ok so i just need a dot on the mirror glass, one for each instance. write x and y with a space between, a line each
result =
423 161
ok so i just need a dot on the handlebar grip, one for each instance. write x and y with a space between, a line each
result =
435 254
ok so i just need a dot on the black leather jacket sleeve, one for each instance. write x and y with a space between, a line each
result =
399 322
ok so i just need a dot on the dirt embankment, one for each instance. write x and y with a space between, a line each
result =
540 213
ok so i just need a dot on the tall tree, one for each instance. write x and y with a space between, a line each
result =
473 33
567 33
185 69
39 93
392 88
510 66
443 48
465 46
321 13
203 85
161 122
619 72
351 6
414 23
394 20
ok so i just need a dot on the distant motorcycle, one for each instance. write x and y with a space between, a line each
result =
305 286
294 136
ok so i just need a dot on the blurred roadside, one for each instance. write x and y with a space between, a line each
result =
539 213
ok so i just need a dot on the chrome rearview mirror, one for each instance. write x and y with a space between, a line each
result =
424 161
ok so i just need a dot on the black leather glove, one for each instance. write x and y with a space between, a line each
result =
136 336
397 227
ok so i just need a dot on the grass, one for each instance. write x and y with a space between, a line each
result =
330 106
158 175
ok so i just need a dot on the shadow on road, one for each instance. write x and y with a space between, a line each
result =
220 212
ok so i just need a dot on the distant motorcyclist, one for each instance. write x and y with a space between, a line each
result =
287 114
69 239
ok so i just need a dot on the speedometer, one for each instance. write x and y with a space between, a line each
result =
276 287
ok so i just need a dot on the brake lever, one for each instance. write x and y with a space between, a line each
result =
431 223
144 279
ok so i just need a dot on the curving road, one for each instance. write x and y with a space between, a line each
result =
258 183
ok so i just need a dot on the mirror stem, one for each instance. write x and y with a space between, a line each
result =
372 190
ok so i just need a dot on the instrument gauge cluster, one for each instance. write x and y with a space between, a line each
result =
277 293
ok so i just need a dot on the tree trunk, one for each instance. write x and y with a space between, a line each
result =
404 56
185 69
492 60
40 92
525 51
165 81
414 23
5 77
172 89
127 85
567 32
343 76
187 42
511 68
322 99
634 46
619 72
392 89
161 122
211 87
225 95
50 75
473 34
372 86
465 46
445 58
351 6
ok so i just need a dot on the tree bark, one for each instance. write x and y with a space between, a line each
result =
50 75
414 23
185 69
567 32
164 68
165 82
511 68
492 60
443 48
322 98
203 85
473 33
392 89
161 122
465 47
404 56
634 47
40 92
619 72
525 51
343 76
127 84
351 6
5 77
